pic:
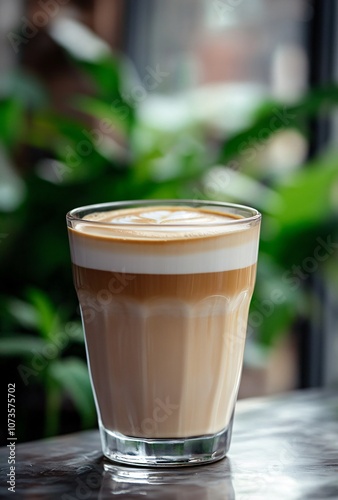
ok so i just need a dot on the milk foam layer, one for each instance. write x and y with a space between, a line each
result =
165 240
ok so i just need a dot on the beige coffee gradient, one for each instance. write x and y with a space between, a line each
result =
166 352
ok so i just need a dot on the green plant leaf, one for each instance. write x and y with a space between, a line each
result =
12 187
24 313
274 304
48 319
18 345
11 112
53 405
105 73
307 196
278 116
112 115
72 143
72 375
25 88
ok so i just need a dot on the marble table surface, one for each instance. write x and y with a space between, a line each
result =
283 447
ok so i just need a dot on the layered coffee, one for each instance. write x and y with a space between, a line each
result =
164 294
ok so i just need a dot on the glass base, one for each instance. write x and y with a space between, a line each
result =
174 452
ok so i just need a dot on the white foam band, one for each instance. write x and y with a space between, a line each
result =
216 260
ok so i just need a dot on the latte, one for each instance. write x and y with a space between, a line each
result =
164 295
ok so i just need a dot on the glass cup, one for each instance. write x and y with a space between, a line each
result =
164 288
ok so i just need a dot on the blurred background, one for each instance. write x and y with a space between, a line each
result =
103 100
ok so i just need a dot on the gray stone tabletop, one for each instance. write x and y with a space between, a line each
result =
283 447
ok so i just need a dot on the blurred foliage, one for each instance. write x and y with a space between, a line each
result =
42 345
51 163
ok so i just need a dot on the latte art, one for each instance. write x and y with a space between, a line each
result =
161 216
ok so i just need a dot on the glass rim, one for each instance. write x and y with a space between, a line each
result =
74 214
